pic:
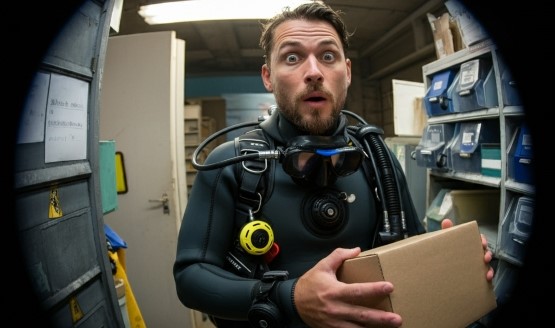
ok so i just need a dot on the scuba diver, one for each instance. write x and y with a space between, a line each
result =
274 213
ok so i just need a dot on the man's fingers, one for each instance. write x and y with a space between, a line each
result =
446 223
355 292
338 256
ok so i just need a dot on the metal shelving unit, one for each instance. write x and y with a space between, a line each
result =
193 137
510 118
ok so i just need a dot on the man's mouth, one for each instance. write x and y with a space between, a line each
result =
315 97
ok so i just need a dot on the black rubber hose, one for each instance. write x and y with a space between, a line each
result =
391 189
203 167
393 223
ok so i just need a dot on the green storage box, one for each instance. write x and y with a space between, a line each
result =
491 160
108 187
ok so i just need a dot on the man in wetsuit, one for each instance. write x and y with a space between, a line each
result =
319 215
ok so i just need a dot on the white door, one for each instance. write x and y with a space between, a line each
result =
142 110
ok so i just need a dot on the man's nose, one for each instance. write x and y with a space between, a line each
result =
313 72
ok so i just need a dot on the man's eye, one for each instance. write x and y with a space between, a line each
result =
292 58
328 56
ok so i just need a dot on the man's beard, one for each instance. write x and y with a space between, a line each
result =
317 124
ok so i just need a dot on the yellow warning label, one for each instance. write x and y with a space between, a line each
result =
54 208
76 312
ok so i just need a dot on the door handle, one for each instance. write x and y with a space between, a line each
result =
164 201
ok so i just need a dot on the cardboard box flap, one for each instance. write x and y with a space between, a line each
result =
362 274
439 277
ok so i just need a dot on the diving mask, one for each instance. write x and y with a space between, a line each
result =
320 160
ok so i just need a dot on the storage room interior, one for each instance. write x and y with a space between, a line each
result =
447 81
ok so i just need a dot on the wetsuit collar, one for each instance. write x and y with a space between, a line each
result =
281 130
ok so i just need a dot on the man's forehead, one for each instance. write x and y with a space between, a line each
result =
302 30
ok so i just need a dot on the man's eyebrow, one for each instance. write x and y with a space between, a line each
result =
289 44
329 42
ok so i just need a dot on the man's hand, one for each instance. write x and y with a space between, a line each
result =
323 301
447 223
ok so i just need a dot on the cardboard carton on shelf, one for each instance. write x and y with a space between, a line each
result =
447 37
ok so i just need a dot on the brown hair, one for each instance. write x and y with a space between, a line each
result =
316 10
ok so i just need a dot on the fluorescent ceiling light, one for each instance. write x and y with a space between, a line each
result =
199 10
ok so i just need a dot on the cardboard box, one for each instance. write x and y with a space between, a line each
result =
481 205
439 277
462 206
447 37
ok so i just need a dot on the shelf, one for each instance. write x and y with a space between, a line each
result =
513 111
505 257
520 187
469 177
193 116
466 116
477 50
197 129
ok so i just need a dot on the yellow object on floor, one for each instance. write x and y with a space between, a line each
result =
135 316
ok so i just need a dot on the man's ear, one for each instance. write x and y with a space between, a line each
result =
348 67
265 74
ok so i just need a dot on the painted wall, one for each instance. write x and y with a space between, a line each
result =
216 86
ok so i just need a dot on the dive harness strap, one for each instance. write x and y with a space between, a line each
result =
251 175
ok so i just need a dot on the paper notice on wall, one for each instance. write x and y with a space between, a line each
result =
31 128
66 119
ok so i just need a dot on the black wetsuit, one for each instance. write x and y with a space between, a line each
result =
208 231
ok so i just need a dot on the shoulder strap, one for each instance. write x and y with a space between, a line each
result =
252 175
